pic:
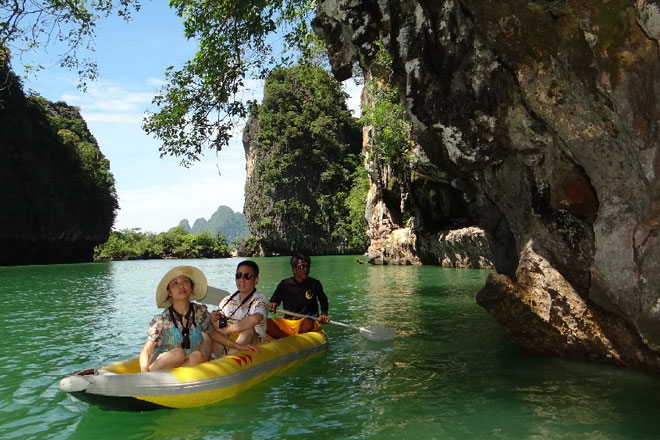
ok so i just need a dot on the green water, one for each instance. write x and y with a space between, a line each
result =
450 374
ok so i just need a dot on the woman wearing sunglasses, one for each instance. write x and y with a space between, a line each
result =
242 316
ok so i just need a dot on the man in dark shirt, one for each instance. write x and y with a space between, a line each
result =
300 294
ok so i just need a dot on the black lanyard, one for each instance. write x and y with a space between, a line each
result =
185 330
243 302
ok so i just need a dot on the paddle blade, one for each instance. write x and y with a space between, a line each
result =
377 333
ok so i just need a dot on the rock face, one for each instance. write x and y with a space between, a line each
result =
414 216
545 115
302 147
437 230
58 199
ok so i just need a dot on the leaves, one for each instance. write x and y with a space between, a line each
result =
390 139
27 26
202 102
175 243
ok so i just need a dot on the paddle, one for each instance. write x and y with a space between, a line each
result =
214 295
372 332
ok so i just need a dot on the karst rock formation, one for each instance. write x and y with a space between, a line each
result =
546 115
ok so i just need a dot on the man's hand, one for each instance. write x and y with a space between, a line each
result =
215 316
247 347
273 307
323 319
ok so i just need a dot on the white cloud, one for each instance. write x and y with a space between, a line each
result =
156 83
178 193
108 97
113 118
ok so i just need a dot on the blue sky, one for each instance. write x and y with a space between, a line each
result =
154 193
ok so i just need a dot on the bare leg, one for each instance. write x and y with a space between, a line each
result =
196 357
274 331
246 337
307 325
207 347
170 359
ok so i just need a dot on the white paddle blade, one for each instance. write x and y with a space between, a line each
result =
377 333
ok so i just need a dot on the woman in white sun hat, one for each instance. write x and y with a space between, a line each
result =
178 335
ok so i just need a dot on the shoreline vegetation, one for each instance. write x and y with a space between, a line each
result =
177 243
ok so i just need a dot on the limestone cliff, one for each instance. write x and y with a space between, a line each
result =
302 148
58 199
545 115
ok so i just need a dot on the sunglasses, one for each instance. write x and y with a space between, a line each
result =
245 275
303 266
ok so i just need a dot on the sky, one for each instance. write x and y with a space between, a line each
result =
155 193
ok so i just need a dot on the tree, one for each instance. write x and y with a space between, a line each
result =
176 243
28 25
201 102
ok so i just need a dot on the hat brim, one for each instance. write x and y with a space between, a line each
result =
196 276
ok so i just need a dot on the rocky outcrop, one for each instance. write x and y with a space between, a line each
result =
58 199
544 114
415 217
464 248
435 232
302 148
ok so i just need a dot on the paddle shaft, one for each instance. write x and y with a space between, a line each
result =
373 333
315 318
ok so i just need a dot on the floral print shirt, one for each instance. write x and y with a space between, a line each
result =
167 334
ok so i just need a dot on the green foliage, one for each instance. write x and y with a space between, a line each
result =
308 150
385 115
354 226
127 244
94 175
57 185
132 244
201 102
32 26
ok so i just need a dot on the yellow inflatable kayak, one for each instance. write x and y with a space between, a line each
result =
121 386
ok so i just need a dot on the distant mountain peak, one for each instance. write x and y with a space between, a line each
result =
224 221
185 225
